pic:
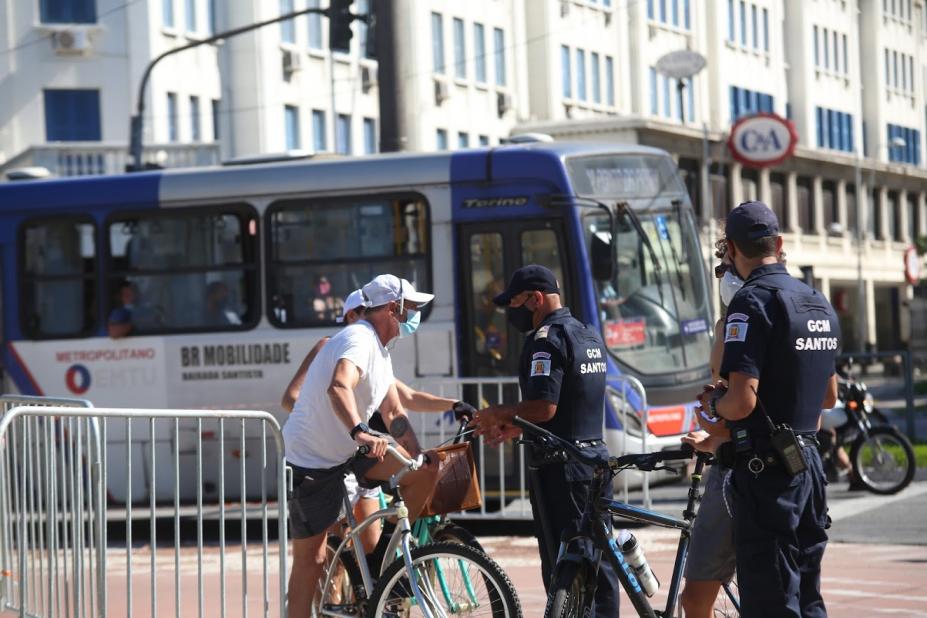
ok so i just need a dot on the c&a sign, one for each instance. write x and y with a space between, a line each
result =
762 140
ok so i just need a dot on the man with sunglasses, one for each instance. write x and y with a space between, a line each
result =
780 343
562 380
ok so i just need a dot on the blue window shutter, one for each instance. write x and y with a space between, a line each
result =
852 146
72 115
734 101
835 130
819 116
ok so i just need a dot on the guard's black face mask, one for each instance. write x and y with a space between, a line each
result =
521 318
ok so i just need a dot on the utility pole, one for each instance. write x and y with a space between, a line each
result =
137 123
390 85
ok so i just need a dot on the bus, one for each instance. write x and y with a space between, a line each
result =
234 272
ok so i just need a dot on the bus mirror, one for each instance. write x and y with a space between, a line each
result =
603 266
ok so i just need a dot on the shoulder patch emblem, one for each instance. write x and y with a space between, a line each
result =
540 368
541 355
542 332
738 317
735 332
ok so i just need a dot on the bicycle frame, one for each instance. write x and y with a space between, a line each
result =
592 527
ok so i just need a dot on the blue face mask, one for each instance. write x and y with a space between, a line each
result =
413 317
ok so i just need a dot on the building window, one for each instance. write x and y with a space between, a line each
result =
167 13
191 269
609 81
817 52
72 116
68 11
650 9
437 43
58 272
479 51
667 99
315 26
805 205
484 140
743 23
663 10
908 148
343 134
730 21
291 125
172 128
686 18
777 183
373 234
460 50
654 96
765 29
846 58
211 16
499 42
215 120
365 44
195 129
596 84
690 93
826 44
850 223
320 139
580 75
463 140
287 28
755 23
441 139
745 102
191 15
836 53
566 76
370 136
675 12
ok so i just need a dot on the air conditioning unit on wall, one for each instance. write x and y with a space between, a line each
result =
442 91
367 79
292 62
72 42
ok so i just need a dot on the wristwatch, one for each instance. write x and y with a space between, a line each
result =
359 428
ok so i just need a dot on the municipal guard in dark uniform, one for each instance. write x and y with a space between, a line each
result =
780 343
562 377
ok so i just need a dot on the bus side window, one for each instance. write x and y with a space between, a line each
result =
58 277
186 270
322 250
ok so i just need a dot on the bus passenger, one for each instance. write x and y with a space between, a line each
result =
350 377
119 323
218 306
366 500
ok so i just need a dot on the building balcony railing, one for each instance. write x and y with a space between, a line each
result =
94 158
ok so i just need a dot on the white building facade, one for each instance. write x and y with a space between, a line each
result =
850 74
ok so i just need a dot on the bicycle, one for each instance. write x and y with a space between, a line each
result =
574 580
432 581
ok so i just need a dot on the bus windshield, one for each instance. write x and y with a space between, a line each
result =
654 322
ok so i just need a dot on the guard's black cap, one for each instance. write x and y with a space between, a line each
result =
751 221
530 278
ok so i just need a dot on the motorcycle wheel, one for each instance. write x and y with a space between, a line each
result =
883 461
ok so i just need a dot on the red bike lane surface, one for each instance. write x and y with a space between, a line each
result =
859 579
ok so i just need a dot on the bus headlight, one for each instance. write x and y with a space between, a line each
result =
626 414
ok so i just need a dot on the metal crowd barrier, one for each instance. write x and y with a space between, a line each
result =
55 462
38 485
495 461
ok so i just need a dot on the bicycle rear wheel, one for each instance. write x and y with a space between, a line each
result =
570 593
453 578
453 533
345 585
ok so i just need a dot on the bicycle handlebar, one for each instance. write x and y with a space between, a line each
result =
643 461
411 464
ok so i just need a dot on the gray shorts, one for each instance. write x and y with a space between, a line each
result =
711 551
318 495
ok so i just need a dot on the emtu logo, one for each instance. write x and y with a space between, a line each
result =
77 379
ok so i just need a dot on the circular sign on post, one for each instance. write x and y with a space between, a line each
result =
680 64
912 266
762 140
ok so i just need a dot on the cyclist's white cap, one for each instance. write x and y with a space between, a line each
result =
354 300
386 288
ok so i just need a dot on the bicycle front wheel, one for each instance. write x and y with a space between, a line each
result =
570 594
452 578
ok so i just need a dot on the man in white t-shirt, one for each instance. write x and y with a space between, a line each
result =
350 378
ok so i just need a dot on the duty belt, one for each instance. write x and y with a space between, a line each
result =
728 457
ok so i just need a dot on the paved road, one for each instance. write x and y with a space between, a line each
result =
875 566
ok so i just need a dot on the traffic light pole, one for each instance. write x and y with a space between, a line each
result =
390 84
136 126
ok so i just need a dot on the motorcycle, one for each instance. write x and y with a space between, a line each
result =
881 457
